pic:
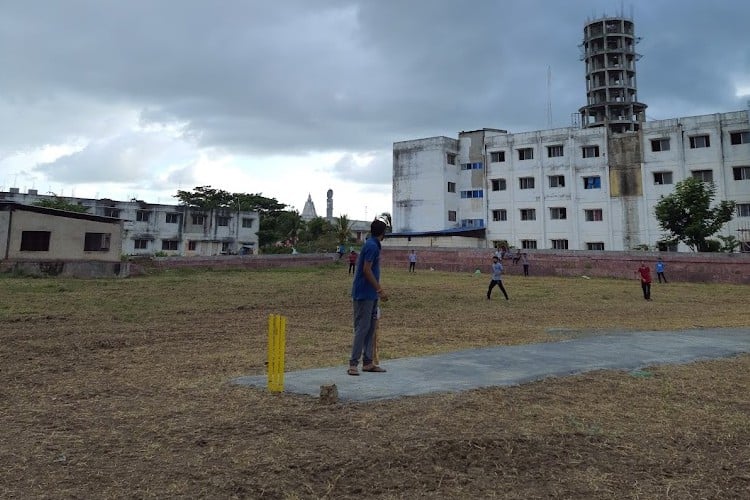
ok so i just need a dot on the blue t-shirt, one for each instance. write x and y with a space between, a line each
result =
361 288
497 271
660 267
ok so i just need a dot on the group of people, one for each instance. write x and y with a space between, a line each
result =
367 292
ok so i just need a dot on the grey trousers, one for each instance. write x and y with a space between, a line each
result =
364 329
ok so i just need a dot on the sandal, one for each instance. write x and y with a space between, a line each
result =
373 369
352 371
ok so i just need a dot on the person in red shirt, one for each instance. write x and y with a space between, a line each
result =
645 274
352 261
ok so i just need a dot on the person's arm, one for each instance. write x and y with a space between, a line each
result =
370 277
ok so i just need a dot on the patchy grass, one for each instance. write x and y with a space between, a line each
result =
118 388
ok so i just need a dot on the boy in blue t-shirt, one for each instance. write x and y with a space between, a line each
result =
660 270
497 278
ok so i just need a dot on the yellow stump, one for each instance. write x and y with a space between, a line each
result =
276 348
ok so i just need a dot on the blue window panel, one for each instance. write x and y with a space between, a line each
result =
593 183
472 222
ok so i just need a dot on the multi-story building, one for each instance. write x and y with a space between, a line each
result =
569 188
149 228
591 186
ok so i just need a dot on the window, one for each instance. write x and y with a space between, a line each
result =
560 244
526 182
450 158
597 245
742 137
743 209
741 173
593 215
556 181
451 215
471 166
499 215
554 151
662 177
472 223
198 219
526 154
590 151
699 141
142 215
666 246
173 218
192 245
558 213
35 241
96 242
498 184
247 222
593 182
169 244
659 144
497 156
451 187
475 193
704 175
528 244
528 214
222 220
140 244
111 212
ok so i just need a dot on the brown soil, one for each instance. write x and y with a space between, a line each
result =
117 389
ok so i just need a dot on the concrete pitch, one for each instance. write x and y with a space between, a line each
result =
513 365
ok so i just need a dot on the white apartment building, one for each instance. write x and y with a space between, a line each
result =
592 186
568 188
150 229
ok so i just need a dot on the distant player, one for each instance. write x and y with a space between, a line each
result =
497 278
660 270
645 274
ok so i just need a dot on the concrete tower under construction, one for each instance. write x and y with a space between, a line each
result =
608 50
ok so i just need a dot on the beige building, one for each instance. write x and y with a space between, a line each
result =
50 241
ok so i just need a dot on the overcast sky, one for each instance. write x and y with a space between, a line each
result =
140 98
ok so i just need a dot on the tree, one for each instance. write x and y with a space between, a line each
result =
343 229
205 198
59 203
276 225
687 216
279 228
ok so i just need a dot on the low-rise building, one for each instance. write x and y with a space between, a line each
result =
39 240
150 229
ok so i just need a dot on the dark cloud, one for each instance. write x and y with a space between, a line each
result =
294 77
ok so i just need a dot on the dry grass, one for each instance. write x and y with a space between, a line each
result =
118 388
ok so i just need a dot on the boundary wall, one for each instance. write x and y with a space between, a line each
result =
679 266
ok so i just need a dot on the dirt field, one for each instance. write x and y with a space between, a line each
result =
119 389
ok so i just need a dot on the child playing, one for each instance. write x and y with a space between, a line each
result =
497 278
